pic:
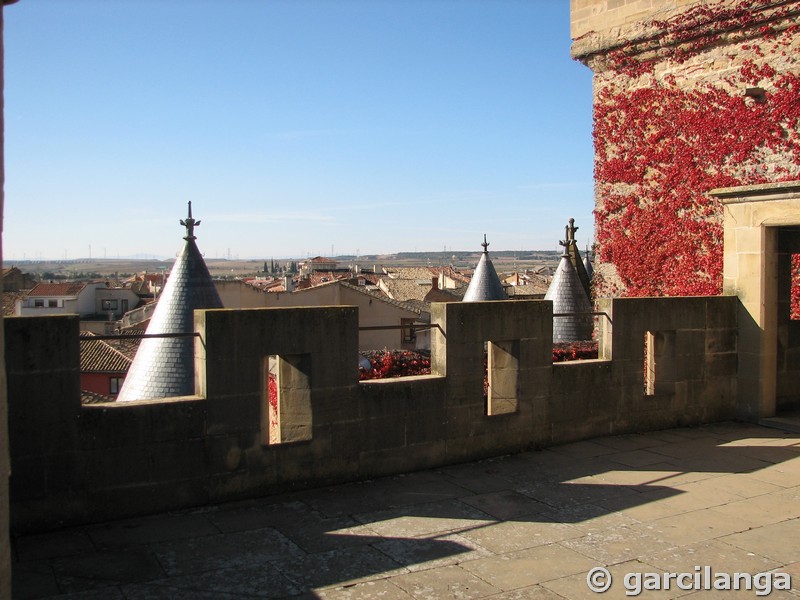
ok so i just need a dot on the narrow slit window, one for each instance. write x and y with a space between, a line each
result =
649 363
659 362
502 377
794 294
286 404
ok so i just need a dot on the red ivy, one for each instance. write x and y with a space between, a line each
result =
566 351
272 397
395 363
795 295
659 148
402 363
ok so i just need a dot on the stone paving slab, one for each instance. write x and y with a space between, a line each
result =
429 553
425 519
161 528
574 586
521 527
223 551
682 559
259 579
617 544
243 516
105 567
380 588
505 504
512 570
449 582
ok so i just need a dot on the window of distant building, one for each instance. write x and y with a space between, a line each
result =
408 331
52 303
38 303
109 304
114 385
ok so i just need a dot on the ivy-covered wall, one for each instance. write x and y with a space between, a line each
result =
686 99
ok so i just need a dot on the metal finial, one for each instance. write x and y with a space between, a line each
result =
571 229
190 224
485 244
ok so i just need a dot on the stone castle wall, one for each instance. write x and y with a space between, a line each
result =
74 463
688 97
598 16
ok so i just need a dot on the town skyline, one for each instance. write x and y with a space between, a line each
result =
235 267
293 127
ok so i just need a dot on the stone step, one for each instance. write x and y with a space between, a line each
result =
789 422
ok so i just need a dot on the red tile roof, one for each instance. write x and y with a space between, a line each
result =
151 277
451 273
88 397
371 278
10 302
264 284
57 289
321 277
98 356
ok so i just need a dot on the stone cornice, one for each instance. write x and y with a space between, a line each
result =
646 39
754 193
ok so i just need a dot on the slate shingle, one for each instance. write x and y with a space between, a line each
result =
568 296
164 367
485 283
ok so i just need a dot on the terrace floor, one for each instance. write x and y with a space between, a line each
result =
531 525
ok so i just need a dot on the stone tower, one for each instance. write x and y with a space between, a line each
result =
689 96
164 366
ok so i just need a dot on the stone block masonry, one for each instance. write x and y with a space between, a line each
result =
77 464
688 97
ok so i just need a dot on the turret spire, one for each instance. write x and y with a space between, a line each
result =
571 229
190 224
485 283
164 366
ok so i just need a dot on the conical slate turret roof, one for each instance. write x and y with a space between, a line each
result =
485 283
587 265
164 366
568 296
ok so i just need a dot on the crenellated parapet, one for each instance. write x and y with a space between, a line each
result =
494 390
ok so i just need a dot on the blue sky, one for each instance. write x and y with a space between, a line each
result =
295 127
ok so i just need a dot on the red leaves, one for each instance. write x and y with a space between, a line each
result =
567 351
272 397
696 29
660 147
753 74
395 363
794 310
403 363
272 391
